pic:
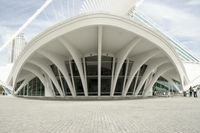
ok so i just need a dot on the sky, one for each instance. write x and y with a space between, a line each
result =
178 18
13 13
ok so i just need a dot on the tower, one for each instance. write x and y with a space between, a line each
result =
17 45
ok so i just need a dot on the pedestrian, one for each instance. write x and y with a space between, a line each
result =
154 93
190 91
184 93
195 91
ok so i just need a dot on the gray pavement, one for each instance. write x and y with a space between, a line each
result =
158 115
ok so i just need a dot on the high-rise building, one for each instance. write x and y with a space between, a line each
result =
17 46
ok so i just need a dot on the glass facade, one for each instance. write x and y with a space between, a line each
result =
61 80
33 88
77 79
106 74
92 75
119 85
163 87
90 68
142 70
18 84
131 88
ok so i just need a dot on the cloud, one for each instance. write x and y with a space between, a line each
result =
16 15
177 21
193 2
6 33
13 14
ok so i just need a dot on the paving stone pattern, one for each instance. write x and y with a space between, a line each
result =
157 115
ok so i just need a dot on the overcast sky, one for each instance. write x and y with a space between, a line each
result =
179 18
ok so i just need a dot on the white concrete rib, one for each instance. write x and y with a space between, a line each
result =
58 60
139 61
76 55
161 70
46 68
121 57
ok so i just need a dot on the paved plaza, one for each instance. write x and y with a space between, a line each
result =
157 115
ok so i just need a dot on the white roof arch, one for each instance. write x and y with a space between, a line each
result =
97 19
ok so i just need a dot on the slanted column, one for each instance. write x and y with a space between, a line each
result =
59 61
121 57
170 81
44 65
125 77
61 82
50 86
24 83
139 61
161 70
112 77
85 72
152 64
136 81
76 55
72 75
42 76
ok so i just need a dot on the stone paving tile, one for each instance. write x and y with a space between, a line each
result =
158 115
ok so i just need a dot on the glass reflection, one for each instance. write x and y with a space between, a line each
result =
92 75
106 74
33 88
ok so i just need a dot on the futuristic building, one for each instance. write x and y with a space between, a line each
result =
100 52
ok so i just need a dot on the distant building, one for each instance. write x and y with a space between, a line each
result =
17 46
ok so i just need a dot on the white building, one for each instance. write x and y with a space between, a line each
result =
105 51
18 44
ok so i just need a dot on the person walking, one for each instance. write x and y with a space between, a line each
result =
195 91
190 91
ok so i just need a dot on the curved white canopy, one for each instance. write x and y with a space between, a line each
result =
79 37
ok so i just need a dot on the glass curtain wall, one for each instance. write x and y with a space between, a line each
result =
55 71
163 87
120 80
124 75
131 88
77 79
136 79
106 74
18 84
33 88
61 80
92 75
142 70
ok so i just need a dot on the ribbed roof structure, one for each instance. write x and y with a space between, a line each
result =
149 47
61 10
